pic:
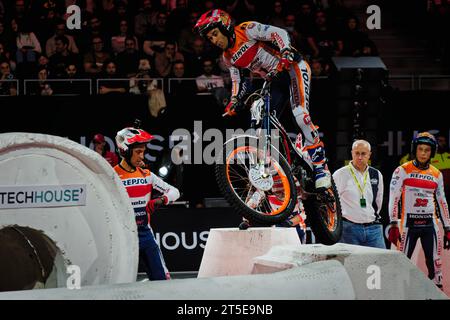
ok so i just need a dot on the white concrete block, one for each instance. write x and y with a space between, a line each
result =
230 251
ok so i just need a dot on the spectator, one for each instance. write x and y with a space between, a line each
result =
7 87
178 18
145 19
50 46
109 15
62 57
164 60
90 7
442 162
19 10
214 84
42 86
131 143
276 17
111 85
241 10
71 85
194 59
128 60
7 37
155 39
45 27
102 148
6 56
338 14
361 204
179 86
118 41
143 82
322 41
97 29
356 43
94 30
417 194
28 45
208 81
290 27
93 61
43 61
305 19
318 69
72 72
40 9
187 36
124 14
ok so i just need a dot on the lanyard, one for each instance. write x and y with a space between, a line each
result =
361 189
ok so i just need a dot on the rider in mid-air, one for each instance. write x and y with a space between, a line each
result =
262 49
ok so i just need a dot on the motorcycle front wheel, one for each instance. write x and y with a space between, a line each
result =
267 199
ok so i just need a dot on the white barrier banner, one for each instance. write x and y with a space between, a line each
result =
42 196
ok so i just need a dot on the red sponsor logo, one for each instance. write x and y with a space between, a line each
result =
277 39
421 202
307 119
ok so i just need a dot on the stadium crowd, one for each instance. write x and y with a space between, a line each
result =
145 39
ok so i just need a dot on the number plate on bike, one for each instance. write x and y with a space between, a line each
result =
259 181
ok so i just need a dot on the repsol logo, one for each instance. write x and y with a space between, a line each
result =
189 241
239 54
305 77
421 176
131 182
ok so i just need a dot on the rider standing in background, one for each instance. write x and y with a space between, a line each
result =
263 49
139 184
417 193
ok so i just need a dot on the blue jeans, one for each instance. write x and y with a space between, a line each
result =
28 56
368 236
151 257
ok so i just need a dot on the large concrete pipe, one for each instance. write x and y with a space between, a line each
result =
64 216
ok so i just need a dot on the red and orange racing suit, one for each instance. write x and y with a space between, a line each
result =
257 48
139 185
417 195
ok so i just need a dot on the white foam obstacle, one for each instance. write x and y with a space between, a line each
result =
328 278
374 273
230 251
64 205
284 272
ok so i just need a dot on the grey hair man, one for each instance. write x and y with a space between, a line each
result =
360 189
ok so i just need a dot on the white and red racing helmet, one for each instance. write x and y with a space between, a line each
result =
215 18
129 137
